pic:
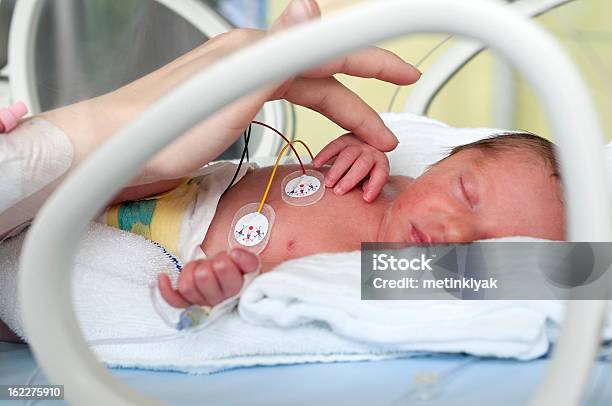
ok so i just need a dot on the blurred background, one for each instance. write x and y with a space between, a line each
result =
470 99
83 48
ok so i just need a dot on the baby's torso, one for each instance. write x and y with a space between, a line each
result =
188 220
333 224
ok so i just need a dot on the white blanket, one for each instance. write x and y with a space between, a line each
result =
306 291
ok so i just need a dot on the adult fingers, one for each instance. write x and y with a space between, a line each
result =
298 11
338 103
172 297
373 62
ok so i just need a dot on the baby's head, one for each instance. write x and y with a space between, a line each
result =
501 186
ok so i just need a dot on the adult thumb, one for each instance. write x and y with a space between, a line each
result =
297 12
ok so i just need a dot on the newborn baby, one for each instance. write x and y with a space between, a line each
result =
502 186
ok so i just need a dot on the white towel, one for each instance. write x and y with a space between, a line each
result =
111 297
120 264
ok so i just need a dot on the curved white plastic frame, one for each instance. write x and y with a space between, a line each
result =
51 244
23 78
453 60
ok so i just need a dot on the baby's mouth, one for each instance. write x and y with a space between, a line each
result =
419 237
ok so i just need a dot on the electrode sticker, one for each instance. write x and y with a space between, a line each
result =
302 186
251 229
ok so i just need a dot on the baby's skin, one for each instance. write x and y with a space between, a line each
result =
466 197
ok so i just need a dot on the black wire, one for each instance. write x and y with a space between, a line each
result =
246 144
247 138
245 152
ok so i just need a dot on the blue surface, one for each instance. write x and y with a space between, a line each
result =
477 381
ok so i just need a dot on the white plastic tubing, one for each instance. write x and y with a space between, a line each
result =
49 318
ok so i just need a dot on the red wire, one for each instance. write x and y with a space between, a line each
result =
286 140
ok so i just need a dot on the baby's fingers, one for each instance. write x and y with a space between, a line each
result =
378 178
359 170
188 283
207 284
246 261
229 276
343 162
172 297
332 149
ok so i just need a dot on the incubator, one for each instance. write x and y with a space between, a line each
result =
254 224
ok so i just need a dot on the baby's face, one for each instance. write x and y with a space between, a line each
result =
472 196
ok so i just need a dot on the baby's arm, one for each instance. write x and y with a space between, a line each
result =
354 161
208 282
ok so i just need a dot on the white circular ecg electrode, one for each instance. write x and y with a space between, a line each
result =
303 189
250 229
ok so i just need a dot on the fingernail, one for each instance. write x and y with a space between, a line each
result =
218 265
329 182
417 70
200 273
236 255
395 138
298 11
310 8
369 196
338 190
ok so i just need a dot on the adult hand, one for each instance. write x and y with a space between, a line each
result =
316 89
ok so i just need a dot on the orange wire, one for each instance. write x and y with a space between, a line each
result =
278 159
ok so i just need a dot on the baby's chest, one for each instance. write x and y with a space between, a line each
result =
302 231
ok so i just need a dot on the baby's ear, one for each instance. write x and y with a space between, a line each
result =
297 12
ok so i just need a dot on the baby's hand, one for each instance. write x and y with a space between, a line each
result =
355 161
208 282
